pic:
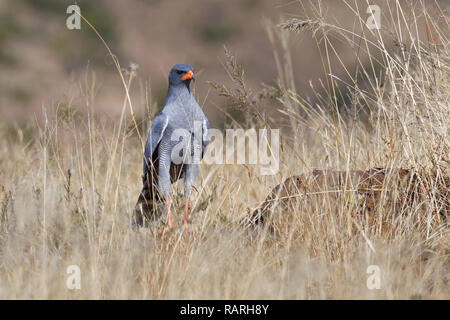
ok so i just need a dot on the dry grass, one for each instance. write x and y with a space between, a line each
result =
67 194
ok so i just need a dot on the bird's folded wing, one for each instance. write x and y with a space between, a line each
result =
154 137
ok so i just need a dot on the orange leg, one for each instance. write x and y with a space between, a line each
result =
186 225
169 219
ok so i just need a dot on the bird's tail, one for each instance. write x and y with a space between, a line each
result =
146 205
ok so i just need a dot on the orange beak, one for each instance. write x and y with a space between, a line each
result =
188 75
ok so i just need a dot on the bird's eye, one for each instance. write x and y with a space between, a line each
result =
179 72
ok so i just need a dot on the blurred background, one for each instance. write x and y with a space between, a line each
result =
43 64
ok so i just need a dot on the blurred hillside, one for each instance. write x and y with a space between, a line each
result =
43 64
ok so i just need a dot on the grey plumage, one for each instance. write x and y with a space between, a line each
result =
175 145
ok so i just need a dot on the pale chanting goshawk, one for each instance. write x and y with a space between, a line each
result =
175 146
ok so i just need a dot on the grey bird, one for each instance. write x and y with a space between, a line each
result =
175 146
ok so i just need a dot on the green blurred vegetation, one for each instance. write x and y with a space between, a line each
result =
9 27
217 33
68 44
94 11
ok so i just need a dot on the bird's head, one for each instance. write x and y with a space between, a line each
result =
181 73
